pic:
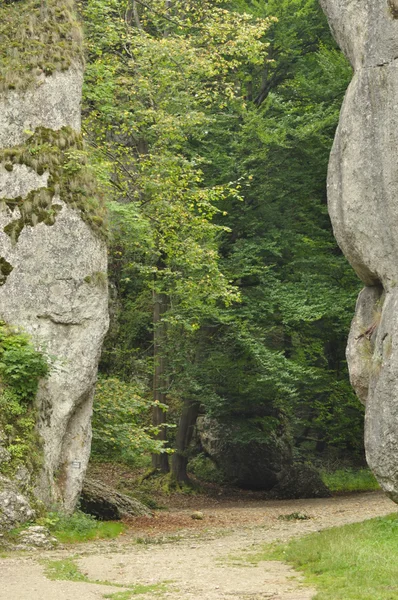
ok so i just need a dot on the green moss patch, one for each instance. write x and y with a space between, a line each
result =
61 154
37 37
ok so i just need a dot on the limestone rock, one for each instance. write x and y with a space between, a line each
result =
54 102
34 538
362 197
197 516
14 506
107 504
300 481
52 274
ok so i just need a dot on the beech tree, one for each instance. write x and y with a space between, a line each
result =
212 123
159 76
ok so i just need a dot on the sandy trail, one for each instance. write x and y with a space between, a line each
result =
187 560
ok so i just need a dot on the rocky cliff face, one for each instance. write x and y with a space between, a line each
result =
362 194
52 250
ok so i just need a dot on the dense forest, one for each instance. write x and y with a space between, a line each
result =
209 126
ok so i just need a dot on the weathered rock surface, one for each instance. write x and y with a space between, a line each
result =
53 285
54 103
259 465
34 537
14 506
362 195
107 504
300 481
253 464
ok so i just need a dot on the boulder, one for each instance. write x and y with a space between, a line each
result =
107 504
15 508
362 198
300 481
253 464
34 537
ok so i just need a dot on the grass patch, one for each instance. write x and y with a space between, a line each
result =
350 480
79 527
64 570
156 588
295 516
67 570
354 562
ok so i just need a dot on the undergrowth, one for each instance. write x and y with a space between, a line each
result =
21 368
350 480
79 527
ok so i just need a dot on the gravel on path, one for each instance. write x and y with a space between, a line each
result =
194 560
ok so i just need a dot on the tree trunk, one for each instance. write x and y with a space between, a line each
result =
159 461
185 430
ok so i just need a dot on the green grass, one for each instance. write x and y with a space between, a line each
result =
350 480
156 588
64 570
79 527
67 570
354 562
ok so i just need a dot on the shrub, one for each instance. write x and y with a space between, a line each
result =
21 368
121 422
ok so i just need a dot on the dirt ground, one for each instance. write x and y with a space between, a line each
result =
193 559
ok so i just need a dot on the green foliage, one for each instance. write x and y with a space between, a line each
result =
350 480
120 422
297 291
150 97
79 527
354 562
21 368
72 177
217 154
37 38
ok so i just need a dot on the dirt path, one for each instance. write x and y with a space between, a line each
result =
182 559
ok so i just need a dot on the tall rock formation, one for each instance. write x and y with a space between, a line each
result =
52 250
363 205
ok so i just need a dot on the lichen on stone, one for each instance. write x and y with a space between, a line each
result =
37 37
61 154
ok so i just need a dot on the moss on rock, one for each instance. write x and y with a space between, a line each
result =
37 37
60 154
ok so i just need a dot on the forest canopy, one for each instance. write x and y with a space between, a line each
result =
210 126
